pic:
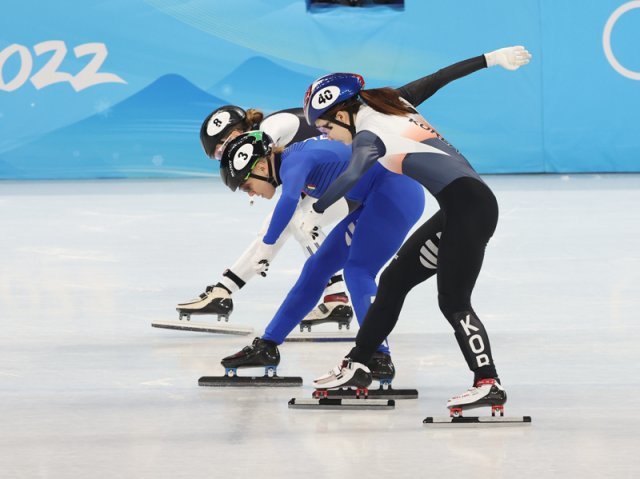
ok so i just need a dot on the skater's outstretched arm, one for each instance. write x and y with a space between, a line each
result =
419 90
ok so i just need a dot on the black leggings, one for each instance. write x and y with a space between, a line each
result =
452 244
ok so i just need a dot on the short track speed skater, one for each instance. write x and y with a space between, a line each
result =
261 354
485 393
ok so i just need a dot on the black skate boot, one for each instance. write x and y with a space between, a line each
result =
215 300
382 368
335 308
260 353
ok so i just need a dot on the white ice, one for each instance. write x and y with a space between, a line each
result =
89 390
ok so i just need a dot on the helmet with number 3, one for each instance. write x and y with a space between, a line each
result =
240 155
329 90
217 126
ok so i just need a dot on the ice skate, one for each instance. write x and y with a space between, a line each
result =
214 301
261 354
383 371
349 374
485 393
381 367
335 308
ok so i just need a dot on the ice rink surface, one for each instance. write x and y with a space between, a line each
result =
89 390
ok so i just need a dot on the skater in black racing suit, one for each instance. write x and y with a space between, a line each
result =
384 128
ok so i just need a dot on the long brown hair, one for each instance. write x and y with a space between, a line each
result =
383 100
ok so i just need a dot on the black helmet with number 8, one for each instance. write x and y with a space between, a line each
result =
217 126
240 156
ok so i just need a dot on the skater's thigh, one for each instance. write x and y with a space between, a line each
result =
378 234
418 258
461 258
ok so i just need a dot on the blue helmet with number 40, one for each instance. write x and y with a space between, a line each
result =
329 90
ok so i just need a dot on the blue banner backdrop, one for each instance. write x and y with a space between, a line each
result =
119 88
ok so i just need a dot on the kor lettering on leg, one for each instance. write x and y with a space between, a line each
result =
475 341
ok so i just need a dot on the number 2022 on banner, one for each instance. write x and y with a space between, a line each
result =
49 73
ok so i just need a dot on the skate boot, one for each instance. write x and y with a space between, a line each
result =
485 392
334 308
260 353
348 374
214 300
382 368
345 377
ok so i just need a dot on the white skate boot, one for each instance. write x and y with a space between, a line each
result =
214 300
347 374
335 308
486 392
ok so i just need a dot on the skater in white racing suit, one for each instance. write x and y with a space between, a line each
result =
284 127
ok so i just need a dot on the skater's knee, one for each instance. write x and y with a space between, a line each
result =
395 278
356 274
450 304
316 264
390 276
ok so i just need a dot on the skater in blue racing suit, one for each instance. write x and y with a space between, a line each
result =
384 206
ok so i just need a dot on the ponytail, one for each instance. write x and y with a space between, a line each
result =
253 118
387 101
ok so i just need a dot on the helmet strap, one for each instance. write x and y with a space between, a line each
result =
350 128
271 179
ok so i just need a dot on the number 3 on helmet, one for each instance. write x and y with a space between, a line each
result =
240 156
329 90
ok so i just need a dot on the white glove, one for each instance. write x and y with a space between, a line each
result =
310 222
510 58
262 257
